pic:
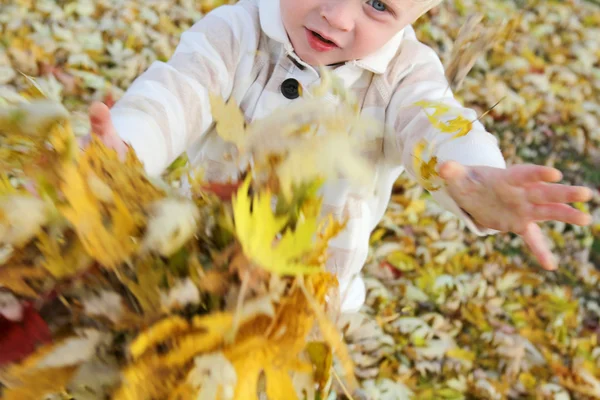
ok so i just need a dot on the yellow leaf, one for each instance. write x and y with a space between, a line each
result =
38 384
461 354
230 123
110 245
146 287
15 279
257 227
329 228
426 171
459 126
330 333
156 334
153 374
322 359
127 177
275 353
402 261
61 262
440 108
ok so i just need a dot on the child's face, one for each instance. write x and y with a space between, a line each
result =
349 29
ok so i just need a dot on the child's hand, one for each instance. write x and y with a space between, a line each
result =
102 127
514 199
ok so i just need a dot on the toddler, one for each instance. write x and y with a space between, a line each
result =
263 53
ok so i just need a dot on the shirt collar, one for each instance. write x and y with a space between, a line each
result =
272 25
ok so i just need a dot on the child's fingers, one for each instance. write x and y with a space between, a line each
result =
560 212
100 119
535 240
524 174
542 193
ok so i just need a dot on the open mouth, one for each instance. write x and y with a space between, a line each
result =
321 38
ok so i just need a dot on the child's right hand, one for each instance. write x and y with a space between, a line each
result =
103 127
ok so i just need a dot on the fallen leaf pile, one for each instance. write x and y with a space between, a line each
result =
98 296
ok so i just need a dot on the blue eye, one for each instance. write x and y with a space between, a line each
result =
378 5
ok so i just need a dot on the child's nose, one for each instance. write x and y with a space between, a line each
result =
340 14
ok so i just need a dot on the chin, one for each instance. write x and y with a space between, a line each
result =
315 60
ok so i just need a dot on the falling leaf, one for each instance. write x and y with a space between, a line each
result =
16 279
256 228
39 384
426 170
109 245
230 123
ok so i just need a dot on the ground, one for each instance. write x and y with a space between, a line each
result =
448 315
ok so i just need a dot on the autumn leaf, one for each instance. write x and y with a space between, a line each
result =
110 245
321 358
230 123
142 379
458 126
257 227
146 286
40 383
426 171
63 257
16 279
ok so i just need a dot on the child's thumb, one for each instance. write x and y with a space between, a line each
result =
103 127
100 120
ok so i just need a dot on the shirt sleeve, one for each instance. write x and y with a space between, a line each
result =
167 107
416 143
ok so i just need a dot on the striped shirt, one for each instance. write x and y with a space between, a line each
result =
242 52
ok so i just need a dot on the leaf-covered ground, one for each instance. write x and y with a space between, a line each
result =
448 315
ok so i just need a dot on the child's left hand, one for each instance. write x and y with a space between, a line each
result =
514 199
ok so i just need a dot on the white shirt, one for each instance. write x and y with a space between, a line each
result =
242 51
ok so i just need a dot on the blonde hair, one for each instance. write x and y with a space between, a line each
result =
425 6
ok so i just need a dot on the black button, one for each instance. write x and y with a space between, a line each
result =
289 88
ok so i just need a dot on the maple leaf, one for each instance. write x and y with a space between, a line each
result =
328 229
230 123
146 286
276 352
62 257
426 171
275 355
459 126
151 375
127 177
257 227
16 279
110 245
40 383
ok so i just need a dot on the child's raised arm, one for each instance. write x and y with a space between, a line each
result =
167 107
462 166
420 146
